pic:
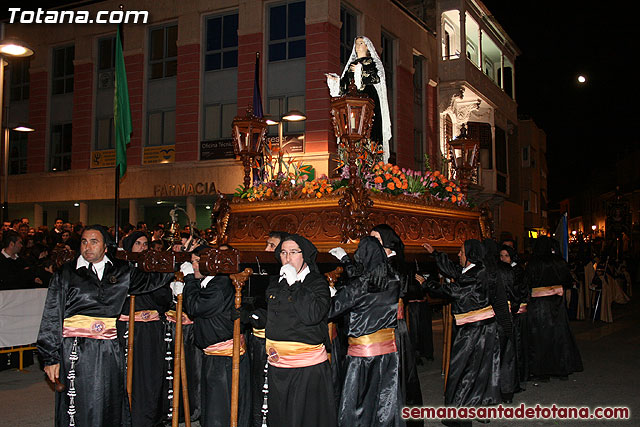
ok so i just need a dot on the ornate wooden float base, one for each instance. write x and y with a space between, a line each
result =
320 220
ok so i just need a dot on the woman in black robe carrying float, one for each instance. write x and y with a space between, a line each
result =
371 392
474 374
367 72
299 376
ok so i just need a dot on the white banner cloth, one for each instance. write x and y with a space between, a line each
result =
20 315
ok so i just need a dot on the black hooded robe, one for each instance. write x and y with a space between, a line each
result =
211 310
518 294
300 397
409 380
371 391
501 278
100 393
552 346
474 372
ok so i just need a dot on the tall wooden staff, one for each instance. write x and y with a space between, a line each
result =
177 360
132 322
332 278
238 282
185 389
448 328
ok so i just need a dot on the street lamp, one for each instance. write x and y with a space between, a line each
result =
290 116
8 48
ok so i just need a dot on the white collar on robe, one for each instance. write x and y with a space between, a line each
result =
98 266
301 276
468 267
205 281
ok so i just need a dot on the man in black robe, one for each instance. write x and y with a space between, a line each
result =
77 338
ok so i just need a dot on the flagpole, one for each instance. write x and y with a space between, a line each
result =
117 204
120 40
121 122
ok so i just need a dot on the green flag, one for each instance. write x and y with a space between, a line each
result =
121 110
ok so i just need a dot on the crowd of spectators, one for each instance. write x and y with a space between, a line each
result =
27 260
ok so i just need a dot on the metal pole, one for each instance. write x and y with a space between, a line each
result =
5 163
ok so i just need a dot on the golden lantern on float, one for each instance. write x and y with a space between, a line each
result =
248 135
352 117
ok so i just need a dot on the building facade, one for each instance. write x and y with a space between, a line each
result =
190 70
477 89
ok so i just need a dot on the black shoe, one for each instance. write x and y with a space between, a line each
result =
450 423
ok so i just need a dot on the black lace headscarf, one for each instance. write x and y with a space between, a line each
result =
372 258
513 254
542 247
391 240
127 242
309 251
474 251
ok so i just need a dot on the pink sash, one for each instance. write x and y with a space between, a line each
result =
290 354
546 291
474 316
142 316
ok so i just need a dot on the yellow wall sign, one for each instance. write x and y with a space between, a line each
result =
103 159
160 154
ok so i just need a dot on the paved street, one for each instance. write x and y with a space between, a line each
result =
610 378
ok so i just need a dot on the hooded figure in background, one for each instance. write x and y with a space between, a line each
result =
299 375
518 295
365 68
552 346
474 371
209 301
501 278
370 304
148 344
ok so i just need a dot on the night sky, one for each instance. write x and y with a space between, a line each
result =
588 126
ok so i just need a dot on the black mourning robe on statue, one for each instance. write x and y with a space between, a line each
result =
100 398
369 78
300 397
371 390
148 357
211 310
474 370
